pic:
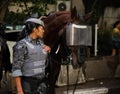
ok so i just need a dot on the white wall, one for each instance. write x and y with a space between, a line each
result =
111 15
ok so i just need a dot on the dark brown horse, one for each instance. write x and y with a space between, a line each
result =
55 37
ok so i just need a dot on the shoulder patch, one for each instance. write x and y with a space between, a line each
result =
19 45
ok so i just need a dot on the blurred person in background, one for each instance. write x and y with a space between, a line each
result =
116 38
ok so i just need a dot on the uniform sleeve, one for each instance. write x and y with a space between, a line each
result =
19 51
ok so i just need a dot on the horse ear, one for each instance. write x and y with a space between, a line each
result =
88 15
73 12
74 15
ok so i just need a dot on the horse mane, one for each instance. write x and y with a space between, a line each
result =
54 23
56 20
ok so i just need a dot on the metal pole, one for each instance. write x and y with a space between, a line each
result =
96 31
67 66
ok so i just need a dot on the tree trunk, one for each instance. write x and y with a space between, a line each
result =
79 6
3 9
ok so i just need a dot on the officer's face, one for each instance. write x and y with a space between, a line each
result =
40 32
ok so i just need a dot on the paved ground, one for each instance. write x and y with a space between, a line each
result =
111 86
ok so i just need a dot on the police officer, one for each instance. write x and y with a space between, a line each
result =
29 56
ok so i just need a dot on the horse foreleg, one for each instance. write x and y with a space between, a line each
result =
55 69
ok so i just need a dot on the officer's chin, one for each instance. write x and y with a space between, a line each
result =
41 36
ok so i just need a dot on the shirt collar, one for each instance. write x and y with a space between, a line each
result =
34 41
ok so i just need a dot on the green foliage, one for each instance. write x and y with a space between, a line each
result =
14 18
104 42
34 1
38 6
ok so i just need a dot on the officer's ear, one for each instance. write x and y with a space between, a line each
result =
35 29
